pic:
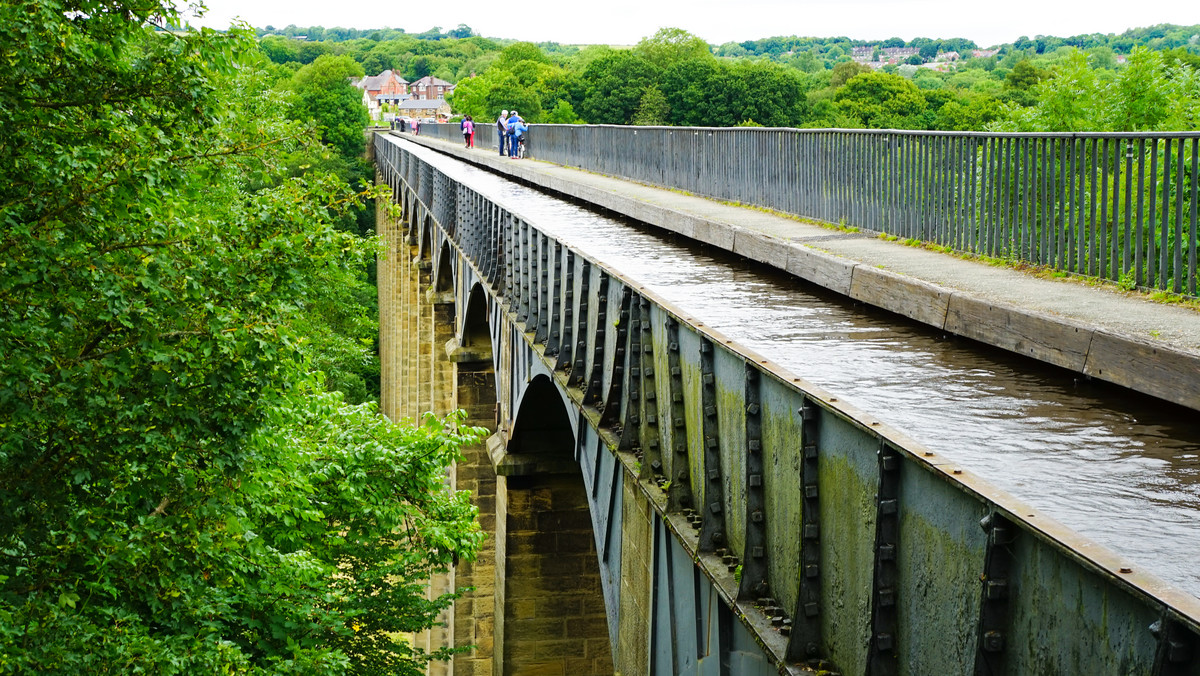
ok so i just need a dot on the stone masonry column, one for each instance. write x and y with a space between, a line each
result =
423 270
412 337
441 329
475 392
389 228
553 605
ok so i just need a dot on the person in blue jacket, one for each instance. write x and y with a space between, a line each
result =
516 128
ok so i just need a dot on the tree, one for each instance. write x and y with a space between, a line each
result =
562 113
652 109
612 87
671 45
519 52
844 71
767 93
882 101
1143 94
1065 102
693 89
177 492
280 49
324 94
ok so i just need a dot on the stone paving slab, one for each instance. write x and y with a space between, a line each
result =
1123 338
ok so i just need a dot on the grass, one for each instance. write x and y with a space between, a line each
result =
1126 284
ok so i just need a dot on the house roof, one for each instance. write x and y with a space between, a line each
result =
376 82
430 80
422 104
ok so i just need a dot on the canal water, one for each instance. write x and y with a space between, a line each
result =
1115 466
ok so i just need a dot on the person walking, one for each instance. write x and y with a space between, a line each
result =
502 131
468 131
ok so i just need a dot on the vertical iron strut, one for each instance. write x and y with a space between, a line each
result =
526 261
712 525
679 495
538 321
579 354
754 553
509 259
1177 647
631 439
804 642
554 305
611 408
493 245
990 652
882 653
649 437
593 386
567 341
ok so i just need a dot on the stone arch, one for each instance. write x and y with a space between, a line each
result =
443 271
542 426
476 332
548 586
425 250
411 214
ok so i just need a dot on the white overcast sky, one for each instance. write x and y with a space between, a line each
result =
624 22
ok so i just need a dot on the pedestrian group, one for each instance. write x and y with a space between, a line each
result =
510 129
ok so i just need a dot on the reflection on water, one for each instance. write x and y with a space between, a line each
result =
1115 466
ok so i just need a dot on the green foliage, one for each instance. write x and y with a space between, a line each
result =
562 113
844 71
652 109
1024 76
177 493
672 45
612 87
1149 94
519 52
692 89
522 77
324 95
603 85
882 101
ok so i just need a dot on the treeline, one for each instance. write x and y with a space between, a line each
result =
414 57
675 78
339 34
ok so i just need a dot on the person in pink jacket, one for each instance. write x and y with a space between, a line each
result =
468 131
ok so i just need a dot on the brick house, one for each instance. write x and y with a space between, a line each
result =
430 88
386 83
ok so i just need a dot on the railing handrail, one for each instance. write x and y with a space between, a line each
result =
894 132
1119 206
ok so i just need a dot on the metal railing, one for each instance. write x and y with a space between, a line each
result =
485 133
1120 207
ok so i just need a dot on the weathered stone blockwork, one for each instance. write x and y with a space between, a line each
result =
554 616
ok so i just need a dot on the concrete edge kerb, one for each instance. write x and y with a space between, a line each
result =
1154 369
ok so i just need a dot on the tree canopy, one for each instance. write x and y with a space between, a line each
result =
179 492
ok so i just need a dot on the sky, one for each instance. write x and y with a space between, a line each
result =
625 22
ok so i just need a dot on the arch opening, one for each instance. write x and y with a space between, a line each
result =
476 331
548 578
445 273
